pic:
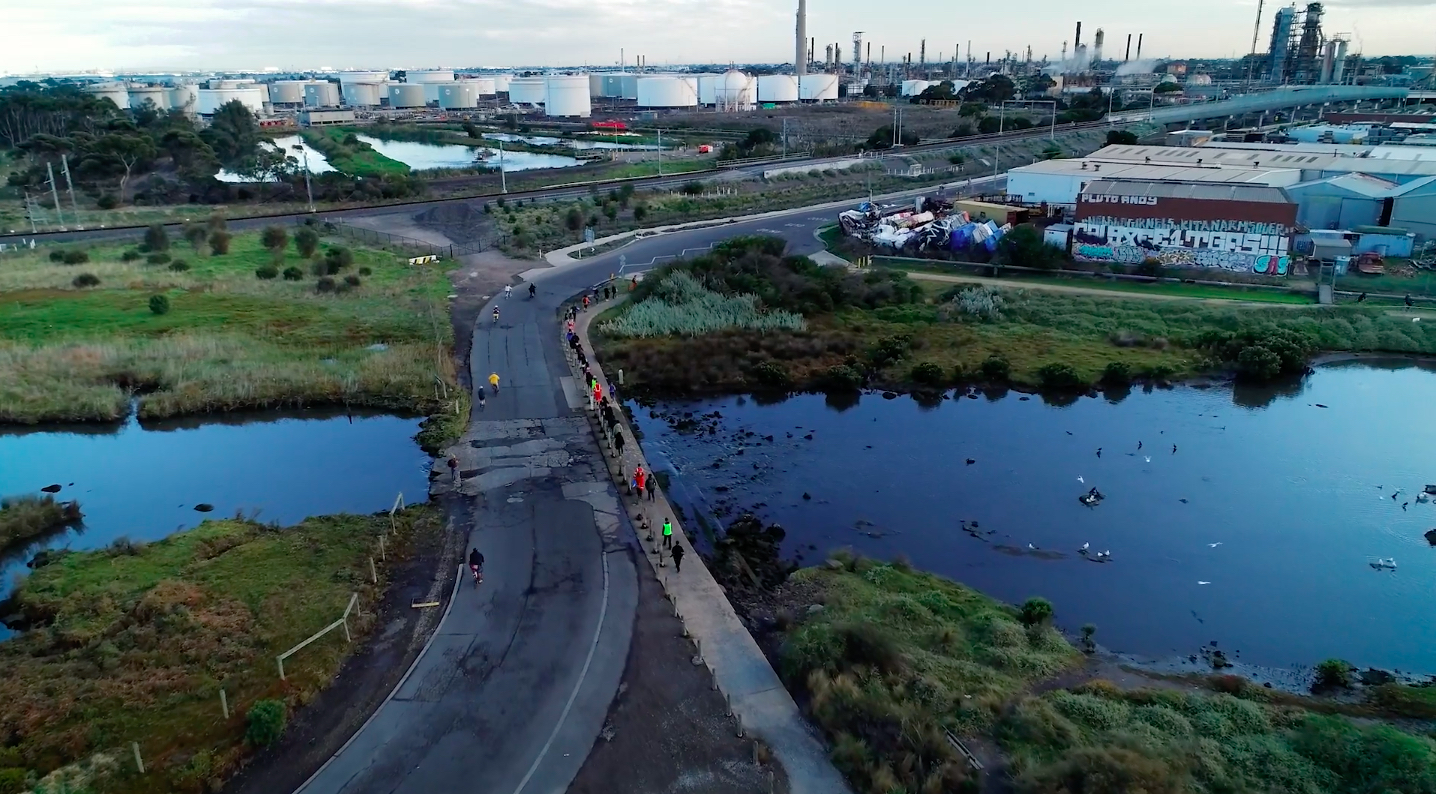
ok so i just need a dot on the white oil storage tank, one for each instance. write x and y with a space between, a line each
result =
185 98
406 95
324 94
483 86
364 95
431 79
155 95
817 87
777 88
459 95
666 92
115 92
914 87
347 79
708 86
212 99
501 82
738 91
595 85
288 92
567 95
528 90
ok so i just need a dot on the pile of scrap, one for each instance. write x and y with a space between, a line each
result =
929 224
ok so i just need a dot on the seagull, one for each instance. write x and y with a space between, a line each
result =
1079 479
1031 547
1139 445
1085 546
1214 545
1201 582
1147 458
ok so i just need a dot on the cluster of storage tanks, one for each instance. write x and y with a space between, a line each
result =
732 90
187 97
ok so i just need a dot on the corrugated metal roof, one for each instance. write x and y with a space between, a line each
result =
1161 172
1275 156
1187 190
1425 185
1360 184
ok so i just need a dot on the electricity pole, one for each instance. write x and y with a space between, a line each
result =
55 194
660 151
503 177
785 138
307 188
69 185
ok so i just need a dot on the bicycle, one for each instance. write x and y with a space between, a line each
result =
478 574
496 317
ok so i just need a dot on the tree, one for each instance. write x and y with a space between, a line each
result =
1332 674
191 155
1121 138
934 93
128 149
306 242
995 89
233 133
1024 247
882 138
156 239
274 238
1167 88
197 235
471 130
574 219
1036 611
640 211
610 211
989 124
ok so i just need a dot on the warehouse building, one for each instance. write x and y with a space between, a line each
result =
1240 227
1343 201
1061 181
1312 166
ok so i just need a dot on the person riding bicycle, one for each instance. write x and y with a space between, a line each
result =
533 290
476 563
508 290
494 381
496 315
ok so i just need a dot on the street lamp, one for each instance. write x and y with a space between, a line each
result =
308 189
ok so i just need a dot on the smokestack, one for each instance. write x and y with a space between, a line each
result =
1139 46
1097 46
989 58
922 54
1128 55
812 49
869 56
800 53
1077 40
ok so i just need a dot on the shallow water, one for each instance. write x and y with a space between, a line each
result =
592 142
143 481
317 162
1297 497
421 156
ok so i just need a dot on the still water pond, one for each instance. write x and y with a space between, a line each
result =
421 156
143 481
592 142
1247 517
304 155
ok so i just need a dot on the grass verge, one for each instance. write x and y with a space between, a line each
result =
29 516
133 644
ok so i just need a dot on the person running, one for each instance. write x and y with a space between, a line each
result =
585 303
678 558
533 290
494 381
508 291
639 475
476 565
667 533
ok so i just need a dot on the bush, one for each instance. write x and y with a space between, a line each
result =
219 241
365 271
573 219
216 223
306 242
325 284
352 280
76 257
1332 674
770 374
640 211
159 304
1059 376
107 201
890 349
130 255
1117 373
158 258
293 273
1024 246
57 255
983 303
996 368
266 272
274 239
86 280
338 258
842 378
179 266
693 188
1036 611
197 235
265 723
12 781
927 373
156 238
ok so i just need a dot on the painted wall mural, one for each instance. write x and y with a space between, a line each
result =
1228 245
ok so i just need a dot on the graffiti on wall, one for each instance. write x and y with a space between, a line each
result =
1132 243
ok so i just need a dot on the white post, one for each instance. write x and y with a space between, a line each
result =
224 702
374 574
281 669
381 548
139 762
347 638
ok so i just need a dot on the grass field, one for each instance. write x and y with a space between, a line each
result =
229 339
355 158
895 657
139 639
1162 289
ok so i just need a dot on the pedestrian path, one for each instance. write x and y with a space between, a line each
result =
760 703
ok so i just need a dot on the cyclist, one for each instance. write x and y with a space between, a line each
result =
533 290
476 566
496 315
481 399
508 290
494 381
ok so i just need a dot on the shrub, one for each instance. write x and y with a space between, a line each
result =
982 303
573 219
156 238
325 284
1332 674
197 235
306 242
76 257
996 368
274 239
179 266
640 211
57 255
693 188
216 223
365 271
338 258
158 258
265 722
842 378
130 255
680 305
266 272
293 273
12 781
890 349
1117 373
352 280
159 304
219 242
107 201
1059 376
927 373
86 280
1036 611
771 374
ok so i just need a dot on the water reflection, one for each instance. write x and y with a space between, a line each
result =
1276 503
421 156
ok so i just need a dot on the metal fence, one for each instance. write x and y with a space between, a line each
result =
395 242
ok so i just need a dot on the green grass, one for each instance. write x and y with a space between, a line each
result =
229 341
355 159
141 638
29 516
1234 292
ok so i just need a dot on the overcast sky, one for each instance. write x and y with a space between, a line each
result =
59 35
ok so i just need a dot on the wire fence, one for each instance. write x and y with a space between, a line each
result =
395 242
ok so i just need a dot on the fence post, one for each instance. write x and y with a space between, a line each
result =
139 763
281 669
373 573
224 702
381 548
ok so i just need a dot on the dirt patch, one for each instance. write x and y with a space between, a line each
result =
667 730
318 731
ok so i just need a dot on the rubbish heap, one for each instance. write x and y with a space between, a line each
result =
929 224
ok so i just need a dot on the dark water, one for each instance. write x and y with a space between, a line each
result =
143 481
1297 496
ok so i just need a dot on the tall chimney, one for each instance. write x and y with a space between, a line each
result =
1077 40
800 53
1128 56
1139 46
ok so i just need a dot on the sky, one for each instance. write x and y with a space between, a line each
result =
235 35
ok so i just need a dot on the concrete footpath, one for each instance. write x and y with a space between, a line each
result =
760 703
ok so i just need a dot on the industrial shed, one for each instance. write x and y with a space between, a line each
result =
1413 208
1341 202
